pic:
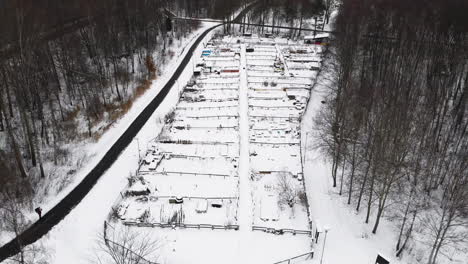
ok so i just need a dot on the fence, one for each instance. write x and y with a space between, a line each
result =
207 127
273 143
216 88
198 100
190 142
175 173
207 107
213 116
182 225
302 168
298 259
275 117
282 231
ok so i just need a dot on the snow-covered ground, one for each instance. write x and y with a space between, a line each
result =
349 239
90 153
227 144
203 155
89 215
243 126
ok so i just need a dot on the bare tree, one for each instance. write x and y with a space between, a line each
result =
13 220
127 246
288 192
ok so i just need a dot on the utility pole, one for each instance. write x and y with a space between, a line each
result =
139 156
305 148
327 228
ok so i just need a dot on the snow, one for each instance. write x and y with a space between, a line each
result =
236 167
269 207
89 215
349 239
242 193
317 36
205 166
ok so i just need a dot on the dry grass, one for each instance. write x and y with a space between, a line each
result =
70 116
118 109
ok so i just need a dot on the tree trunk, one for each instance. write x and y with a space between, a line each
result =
371 192
353 168
342 175
363 185
18 157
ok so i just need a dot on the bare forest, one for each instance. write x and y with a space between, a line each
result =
395 121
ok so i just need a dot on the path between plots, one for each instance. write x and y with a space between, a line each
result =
245 210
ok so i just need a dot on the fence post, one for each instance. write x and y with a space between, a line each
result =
105 233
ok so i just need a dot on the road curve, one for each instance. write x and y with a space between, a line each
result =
63 208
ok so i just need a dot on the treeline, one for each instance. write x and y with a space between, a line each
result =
219 9
292 13
394 122
69 69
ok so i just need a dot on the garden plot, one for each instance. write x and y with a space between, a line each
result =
190 186
266 94
228 82
277 99
221 63
190 122
261 56
276 137
279 201
199 150
157 211
207 105
272 123
280 80
194 176
269 157
193 112
191 165
265 74
190 176
220 58
267 68
214 135
291 113
210 94
303 65
273 103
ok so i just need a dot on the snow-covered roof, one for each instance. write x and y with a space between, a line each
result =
318 36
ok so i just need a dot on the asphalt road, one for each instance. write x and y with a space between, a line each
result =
63 208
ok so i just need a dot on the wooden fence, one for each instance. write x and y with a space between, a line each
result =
182 225
282 231
176 173
297 259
